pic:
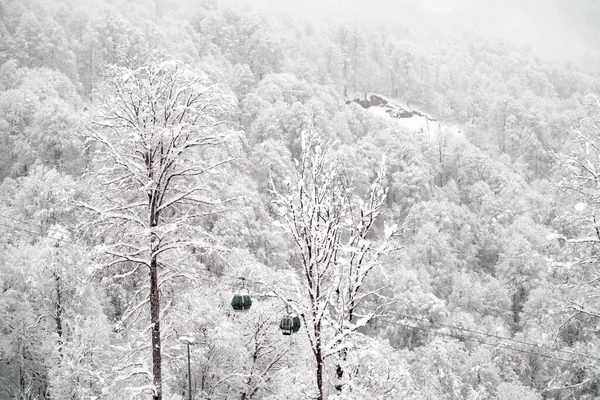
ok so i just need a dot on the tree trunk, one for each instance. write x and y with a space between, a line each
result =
319 359
318 352
345 70
58 315
21 371
339 369
518 300
441 156
155 320
503 131
91 69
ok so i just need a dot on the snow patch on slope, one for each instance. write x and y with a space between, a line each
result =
408 118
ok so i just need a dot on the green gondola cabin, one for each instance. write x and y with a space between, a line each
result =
241 302
289 324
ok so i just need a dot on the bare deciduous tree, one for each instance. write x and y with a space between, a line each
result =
336 254
159 134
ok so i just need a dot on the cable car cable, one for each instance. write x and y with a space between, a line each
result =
476 332
25 222
388 321
478 341
496 336
41 235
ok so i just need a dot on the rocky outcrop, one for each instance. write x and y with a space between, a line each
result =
394 110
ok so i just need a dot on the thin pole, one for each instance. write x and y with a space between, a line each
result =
189 374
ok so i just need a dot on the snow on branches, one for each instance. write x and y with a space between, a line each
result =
160 136
333 232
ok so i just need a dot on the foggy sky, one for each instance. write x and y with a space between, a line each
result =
550 27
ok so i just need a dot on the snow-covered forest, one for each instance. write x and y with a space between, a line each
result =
409 201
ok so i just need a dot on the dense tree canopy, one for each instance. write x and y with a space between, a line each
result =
156 152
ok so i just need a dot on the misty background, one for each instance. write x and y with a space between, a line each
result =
560 30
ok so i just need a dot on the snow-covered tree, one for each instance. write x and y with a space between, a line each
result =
336 248
161 136
581 232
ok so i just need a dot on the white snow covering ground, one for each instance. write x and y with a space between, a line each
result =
408 118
